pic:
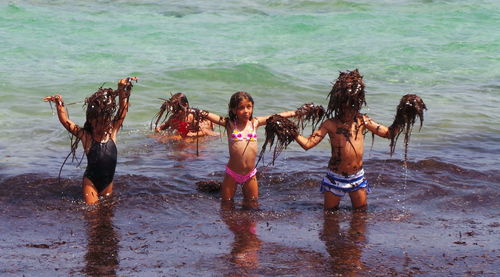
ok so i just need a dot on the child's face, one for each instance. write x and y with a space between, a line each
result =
244 110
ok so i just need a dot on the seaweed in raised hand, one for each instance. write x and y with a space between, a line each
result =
309 112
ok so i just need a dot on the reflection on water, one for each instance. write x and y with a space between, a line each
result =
181 149
345 246
246 245
102 248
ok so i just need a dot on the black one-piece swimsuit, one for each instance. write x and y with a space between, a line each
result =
101 163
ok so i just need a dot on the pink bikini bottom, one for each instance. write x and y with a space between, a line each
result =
241 179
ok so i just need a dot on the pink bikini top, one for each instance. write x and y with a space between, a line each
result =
238 135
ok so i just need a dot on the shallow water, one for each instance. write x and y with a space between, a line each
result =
438 216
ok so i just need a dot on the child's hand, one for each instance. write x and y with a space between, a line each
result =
126 83
56 98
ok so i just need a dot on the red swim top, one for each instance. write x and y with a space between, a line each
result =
182 127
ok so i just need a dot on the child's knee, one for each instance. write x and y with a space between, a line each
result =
331 201
359 199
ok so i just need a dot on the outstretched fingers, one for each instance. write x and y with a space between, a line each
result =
127 81
54 98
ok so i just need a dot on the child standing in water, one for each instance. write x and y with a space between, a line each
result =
98 136
182 121
241 127
346 128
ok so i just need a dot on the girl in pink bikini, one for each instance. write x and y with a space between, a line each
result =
241 128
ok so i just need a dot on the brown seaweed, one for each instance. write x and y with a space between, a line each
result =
282 130
194 126
208 186
309 112
348 93
198 117
407 111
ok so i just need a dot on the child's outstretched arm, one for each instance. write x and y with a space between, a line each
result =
216 119
62 114
263 119
124 89
378 129
315 138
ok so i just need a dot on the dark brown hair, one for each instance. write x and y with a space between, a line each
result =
235 100
177 102
101 106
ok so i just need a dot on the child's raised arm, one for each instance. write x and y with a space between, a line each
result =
62 114
315 138
124 88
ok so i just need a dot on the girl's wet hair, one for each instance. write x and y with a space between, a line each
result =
177 103
101 109
348 93
101 106
235 100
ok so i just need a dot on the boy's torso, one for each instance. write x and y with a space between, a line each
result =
347 144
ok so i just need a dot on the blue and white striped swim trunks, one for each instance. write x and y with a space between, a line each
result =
340 185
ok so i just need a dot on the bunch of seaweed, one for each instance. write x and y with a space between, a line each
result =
282 130
208 186
408 109
198 117
309 112
194 125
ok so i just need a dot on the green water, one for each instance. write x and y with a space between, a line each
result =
284 53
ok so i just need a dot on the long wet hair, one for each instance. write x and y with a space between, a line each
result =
177 103
235 100
348 93
101 106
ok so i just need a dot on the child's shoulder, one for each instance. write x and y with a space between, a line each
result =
330 124
332 121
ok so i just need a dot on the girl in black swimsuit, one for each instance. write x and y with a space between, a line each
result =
98 135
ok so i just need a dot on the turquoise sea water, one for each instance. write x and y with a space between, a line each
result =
284 53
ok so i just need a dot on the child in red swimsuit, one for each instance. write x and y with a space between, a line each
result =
181 119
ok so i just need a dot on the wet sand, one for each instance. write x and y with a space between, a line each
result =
432 219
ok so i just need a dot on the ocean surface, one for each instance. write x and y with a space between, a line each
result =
437 216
